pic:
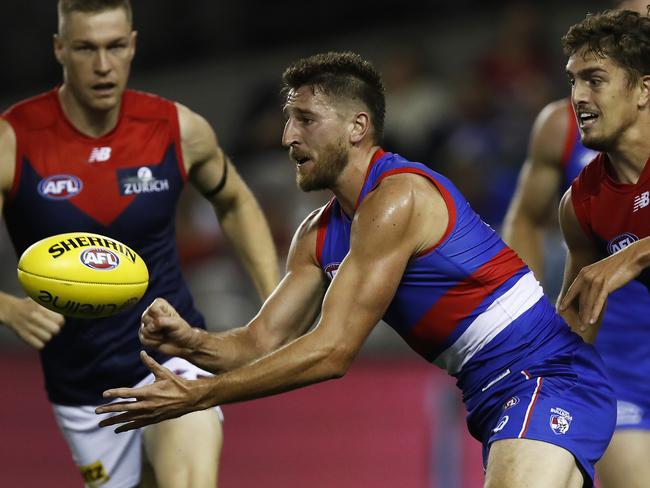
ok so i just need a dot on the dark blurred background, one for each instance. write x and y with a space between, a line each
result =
464 81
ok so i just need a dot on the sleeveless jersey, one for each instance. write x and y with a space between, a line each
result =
124 185
614 215
468 304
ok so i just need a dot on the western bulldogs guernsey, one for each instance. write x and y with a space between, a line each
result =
625 326
471 306
124 185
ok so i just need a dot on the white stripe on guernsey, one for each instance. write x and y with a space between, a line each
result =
502 312
529 410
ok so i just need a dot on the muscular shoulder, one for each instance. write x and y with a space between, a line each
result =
405 207
549 133
198 140
7 155
303 245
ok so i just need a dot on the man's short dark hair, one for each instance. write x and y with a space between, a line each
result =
66 7
621 35
344 75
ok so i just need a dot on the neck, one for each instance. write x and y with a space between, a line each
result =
348 186
93 123
631 153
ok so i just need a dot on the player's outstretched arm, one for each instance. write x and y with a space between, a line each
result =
537 188
239 214
588 280
34 324
387 231
286 315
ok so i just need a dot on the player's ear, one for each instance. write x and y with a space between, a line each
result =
644 99
360 127
132 42
57 44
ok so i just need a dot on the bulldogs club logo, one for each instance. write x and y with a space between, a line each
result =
331 269
60 187
620 242
99 259
560 421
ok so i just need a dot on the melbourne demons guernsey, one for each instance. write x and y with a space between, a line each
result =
123 185
614 215
469 304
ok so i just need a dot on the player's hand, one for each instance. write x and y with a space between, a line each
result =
170 396
34 324
595 282
163 329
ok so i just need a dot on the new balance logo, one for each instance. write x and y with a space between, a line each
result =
99 154
641 201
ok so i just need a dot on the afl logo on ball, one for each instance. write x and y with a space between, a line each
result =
60 187
620 242
100 259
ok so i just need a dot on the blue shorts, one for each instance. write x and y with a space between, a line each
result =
624 344
565 400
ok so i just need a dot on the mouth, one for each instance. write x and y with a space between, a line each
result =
586 118
299 159
104 88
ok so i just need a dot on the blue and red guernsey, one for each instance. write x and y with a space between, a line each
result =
469 304
123 185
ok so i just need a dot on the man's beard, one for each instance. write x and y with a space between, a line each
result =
326 172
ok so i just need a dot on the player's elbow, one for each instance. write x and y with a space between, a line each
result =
338 360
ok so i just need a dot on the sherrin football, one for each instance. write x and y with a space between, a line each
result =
83 275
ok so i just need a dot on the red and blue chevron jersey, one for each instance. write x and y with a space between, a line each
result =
124 185
469 304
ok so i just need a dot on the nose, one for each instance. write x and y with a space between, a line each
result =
289 135
579 93
102 64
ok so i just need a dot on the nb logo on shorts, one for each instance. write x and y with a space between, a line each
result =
560 421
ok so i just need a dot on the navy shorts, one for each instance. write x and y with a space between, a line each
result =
565 400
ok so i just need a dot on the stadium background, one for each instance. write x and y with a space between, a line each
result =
464 80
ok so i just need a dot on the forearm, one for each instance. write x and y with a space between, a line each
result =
246 228
302 362
223 351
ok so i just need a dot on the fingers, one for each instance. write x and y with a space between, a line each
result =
570 295
158 371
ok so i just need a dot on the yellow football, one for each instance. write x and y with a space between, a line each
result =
83 275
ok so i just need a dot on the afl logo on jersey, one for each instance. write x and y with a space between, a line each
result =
100 259
620 242
60 187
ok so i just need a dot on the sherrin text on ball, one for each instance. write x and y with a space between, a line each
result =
83 275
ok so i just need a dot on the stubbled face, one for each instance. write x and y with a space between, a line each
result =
96 50
317 136
605 104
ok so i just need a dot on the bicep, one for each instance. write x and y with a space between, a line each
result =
541 174
581 250
7 159
296 302
388 230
